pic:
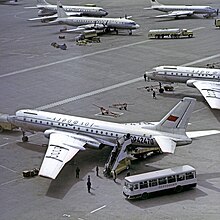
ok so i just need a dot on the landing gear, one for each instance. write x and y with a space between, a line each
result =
130 32
24 138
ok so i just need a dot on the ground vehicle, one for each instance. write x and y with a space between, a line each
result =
4 124
123 165
170 32
88 35
144 152
175 178
217 23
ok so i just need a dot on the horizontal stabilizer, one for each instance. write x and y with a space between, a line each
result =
166 144
195 134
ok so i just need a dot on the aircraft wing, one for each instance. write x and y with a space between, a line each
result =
86 27
195 134
211 92
176 14
54 16
62 147
166 144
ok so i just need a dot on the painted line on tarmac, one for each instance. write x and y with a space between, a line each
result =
71 99
11 181
95 92
8 169
98 209
73 58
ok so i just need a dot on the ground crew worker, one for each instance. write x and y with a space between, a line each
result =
154 94
145 77
114 176
89 185
77 172
97 171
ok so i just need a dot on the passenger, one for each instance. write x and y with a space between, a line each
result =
77 172
89 186
154 94
145 77
128 173
97 171
114 175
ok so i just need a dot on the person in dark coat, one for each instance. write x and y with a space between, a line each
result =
77 172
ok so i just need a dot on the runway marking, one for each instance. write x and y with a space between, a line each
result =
98 209
11 181
95 92
8 169
72 58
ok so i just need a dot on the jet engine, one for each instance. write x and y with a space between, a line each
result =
190 83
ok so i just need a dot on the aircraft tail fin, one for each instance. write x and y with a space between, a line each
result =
42 2
60 11
154 2
177 119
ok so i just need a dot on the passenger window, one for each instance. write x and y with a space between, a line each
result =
135 186
152 183
189 175
143 185
180 177
162 181
171 179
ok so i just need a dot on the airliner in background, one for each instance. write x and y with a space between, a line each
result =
49 11
92 23
70 134
206 80
182 10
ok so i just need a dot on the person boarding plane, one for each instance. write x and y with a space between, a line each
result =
91 23
182 10
69 134
206 80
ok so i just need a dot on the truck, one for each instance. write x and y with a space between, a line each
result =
217 23
88 35
4 124
170 33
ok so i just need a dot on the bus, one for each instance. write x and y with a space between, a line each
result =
176 178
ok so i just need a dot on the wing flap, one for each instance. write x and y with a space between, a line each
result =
211 92
61 149
166 144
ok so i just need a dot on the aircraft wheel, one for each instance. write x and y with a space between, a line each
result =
25 138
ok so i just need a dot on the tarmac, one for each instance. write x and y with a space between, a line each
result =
36 75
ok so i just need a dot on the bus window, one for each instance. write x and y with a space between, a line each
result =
162 181
180 177
152 183
143 184
135 186
189 175
171 179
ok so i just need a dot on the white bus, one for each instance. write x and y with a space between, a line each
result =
177 178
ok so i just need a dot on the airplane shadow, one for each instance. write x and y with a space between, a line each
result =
86 161
32 147
179 18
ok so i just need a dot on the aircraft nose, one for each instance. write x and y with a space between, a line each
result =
137 26
106 13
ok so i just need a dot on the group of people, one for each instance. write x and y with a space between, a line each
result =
89 184
154 93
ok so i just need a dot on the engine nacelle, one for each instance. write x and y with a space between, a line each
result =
190 83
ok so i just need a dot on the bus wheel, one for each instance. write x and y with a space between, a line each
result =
145 196
178 189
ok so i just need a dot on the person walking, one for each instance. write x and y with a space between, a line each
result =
145 77
77 172
154 94
97 171
89 185
114 176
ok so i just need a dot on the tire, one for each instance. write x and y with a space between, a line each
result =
172 36
178 189
161 90
190 36
145 195
25 138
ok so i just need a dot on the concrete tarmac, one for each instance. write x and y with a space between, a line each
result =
36 75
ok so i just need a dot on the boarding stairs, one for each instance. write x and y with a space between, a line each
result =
118 154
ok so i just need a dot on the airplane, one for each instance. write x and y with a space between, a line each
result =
91 23
206 80
182 10
49 11
70 134
11 2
